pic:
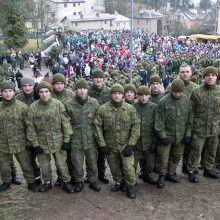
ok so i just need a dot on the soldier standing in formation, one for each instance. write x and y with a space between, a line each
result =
117 130
49 131
206 111
101 92
173 123
145 149
28 96
130 93
13 138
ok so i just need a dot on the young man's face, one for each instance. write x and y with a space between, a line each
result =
98 82
210 79
8 94
185 73
177 95
129 95
155 87
44 94
82 93
59 86
143 98
27 88
117 96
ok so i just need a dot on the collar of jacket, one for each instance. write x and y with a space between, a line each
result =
209 86
9 102
58 93
46 103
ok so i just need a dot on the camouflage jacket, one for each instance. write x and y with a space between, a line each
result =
116 127
81 118
155 98
102 96
206 110
27 99
63 96
48 125
189 87
173 118
146 115
13 126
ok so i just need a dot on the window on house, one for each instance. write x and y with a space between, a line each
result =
74 13
76 24
65 5
74 4
138 21
78 4
111 23
105 22
79 13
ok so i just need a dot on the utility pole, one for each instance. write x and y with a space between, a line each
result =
131 41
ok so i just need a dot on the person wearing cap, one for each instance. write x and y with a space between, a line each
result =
185 73
130 93
206 111
173 124
81 110
101 92
49 132
117 130
28 96
155 84
59 91
63 95
216 64
145 149
13 138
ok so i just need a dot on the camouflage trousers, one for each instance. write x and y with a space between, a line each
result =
23 159
146 160
217 158
169 157
78 156
198 142
60 162
122 168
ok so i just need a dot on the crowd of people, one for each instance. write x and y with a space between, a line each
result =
93 110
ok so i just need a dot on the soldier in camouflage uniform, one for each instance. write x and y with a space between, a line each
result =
206 110
216 64
49 131
81 111
101 92
13 137
155 84
185 73
145 148
117 130
173 123
130 93
28 96
63 95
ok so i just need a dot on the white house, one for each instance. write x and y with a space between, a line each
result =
121 22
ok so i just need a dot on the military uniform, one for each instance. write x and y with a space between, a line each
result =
103 96
83 142
63 96
146 146
49 127
173 124
118 127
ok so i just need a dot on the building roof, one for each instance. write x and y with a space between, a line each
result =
96 17
121 18
149 14
67 1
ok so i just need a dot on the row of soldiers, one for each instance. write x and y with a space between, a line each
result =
95 123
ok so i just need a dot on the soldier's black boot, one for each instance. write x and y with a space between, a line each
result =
58 182
117 186
78 187
68 187
5 187
34 187
149 179
173 178
192 177
38 180
161 181
94 186
46 186
102 177
86 180
131 193
15 180
211 173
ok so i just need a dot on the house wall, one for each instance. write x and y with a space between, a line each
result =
148 25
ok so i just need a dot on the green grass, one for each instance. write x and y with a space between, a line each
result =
32 44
